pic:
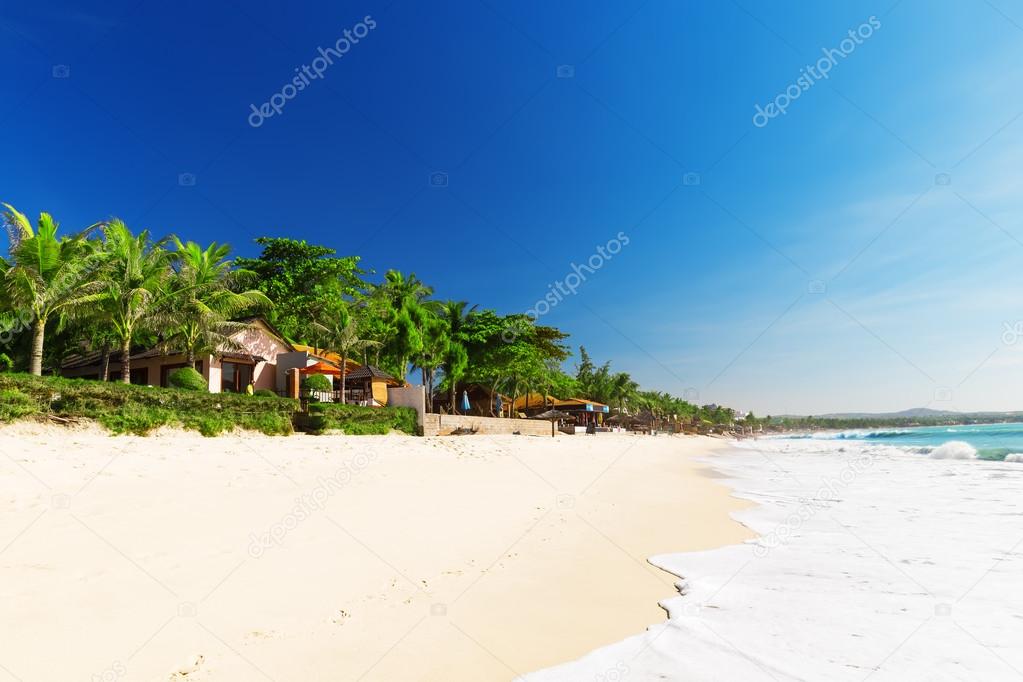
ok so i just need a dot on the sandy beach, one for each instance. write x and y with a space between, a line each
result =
338 558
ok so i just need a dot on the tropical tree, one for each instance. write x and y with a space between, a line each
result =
431 357
302 279
134 294
205 296
408 311
46 276
623 389
456 357
341 335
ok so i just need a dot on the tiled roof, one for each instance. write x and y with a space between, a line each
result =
369 372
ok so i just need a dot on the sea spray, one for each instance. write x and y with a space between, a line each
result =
954 449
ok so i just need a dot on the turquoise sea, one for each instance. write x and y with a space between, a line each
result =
983 441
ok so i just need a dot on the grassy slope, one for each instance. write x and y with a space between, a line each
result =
141 409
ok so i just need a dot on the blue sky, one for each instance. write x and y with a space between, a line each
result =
860 252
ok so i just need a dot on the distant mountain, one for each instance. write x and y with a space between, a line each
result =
904 414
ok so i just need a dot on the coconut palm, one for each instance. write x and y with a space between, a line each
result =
623 389
205 299
456 359
407 310
47 275
341 336
135 294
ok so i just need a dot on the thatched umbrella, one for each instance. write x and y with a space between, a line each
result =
554 416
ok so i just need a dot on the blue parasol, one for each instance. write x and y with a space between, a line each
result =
498 405
465 402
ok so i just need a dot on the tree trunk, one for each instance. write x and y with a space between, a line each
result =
344 371
428 389
453 391
105 375
191 358
126 360
38 334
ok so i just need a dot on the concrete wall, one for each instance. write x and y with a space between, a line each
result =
444 424
408 396
289 361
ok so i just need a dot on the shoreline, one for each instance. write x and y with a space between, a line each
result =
483 557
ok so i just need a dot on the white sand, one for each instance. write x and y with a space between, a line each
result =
333 558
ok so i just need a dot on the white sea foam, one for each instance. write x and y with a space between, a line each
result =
1014 457
870 562
954 449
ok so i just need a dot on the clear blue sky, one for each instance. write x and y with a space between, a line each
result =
812 264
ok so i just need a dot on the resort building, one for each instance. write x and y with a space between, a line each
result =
364 384
253 360
260 356
582 411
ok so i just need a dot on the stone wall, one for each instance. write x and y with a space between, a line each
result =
444 424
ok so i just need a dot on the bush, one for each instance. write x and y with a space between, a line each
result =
5 362
356 420
317 382
264 393
16 405
188 379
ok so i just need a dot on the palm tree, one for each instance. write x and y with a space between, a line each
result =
47 275
434 351
135 293
341 336
407 309
205 297
623 388
456 359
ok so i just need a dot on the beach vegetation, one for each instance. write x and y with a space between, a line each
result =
355 420
188 379
140 409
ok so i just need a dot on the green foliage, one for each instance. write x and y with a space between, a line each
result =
317 382
264 393
300 278
5 362
139 409
188 379
356 420
403 305
49 275
134 295
16 405
206 294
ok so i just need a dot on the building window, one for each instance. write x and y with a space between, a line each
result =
235 377
140 376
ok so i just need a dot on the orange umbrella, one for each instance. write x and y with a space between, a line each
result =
322 368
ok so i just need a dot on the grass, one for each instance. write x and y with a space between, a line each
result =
141 409
355 420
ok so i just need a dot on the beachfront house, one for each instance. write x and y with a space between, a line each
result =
364 384
253 360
